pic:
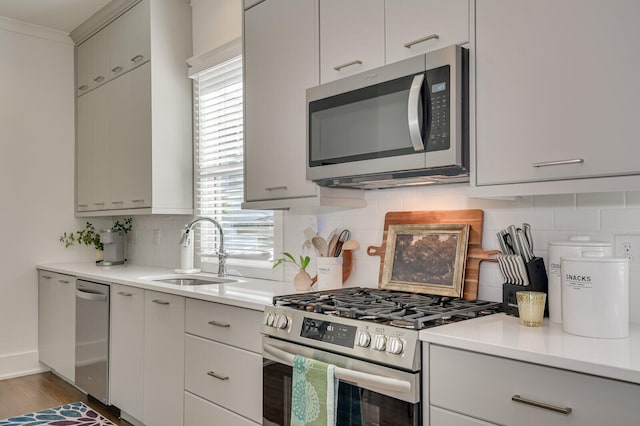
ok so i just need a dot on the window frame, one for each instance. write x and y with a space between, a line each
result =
239 267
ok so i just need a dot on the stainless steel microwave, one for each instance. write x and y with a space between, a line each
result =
402 124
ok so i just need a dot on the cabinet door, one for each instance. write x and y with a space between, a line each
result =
418 26
440 417
351 37
92 151
99 58
57 322
554 104
129 39
83 55
127 349
281 62
163 359
130 139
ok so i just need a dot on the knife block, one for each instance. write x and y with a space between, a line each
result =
538 281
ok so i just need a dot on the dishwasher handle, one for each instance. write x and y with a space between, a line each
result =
359 378
91 295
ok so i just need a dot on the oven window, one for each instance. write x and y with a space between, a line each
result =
356 406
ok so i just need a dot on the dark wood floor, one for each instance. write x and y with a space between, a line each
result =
45 390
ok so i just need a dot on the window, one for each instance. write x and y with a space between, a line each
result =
218 174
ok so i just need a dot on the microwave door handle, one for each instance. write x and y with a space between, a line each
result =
357 377
413 108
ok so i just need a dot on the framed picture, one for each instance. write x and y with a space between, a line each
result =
426 258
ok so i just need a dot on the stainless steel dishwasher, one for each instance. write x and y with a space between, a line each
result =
92 339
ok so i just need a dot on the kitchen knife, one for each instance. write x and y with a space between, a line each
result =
512 236
523 246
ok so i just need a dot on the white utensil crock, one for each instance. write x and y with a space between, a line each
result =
595 296
329 272
573 247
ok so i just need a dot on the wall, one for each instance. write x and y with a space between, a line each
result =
36 178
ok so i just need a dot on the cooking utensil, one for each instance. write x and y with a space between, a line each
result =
503 245
512 236
351 245
320 244
523 245
342 238
309 233
331 245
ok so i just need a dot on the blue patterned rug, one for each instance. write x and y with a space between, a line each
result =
74 414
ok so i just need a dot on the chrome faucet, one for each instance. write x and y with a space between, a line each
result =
186 241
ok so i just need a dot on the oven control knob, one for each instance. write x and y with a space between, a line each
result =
281 322
364 339
379 342
394 346
268 319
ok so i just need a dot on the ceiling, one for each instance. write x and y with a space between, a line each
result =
62 15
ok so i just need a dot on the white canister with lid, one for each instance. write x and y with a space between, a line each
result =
595 296
573 247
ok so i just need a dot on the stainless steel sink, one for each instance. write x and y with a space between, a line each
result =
188 279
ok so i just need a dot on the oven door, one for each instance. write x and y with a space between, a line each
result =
368 394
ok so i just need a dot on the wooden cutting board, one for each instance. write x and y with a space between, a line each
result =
475 253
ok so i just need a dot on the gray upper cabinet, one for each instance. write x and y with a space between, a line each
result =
413 27
351 37
556 96
134 138
280 63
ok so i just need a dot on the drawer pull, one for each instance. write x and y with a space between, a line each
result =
46 277
275 188
565 410
213 374
98 79
83 205
160 302
420 40
137 201
83 87
136 58
64 281
220 324
559 163
116 69
347 64
122 293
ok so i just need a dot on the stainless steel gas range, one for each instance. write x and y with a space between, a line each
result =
370 335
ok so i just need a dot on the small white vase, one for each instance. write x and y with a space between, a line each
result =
302 281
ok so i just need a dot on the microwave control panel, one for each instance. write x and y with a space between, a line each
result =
438 86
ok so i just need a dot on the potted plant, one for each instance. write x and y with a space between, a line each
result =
89 237
302 281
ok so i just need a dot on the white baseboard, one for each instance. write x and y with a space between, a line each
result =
22 364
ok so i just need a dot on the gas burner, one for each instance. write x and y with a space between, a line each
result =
399 309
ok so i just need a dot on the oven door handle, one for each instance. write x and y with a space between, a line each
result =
413 106
356 377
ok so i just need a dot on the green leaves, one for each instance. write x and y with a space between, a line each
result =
304 261
89 237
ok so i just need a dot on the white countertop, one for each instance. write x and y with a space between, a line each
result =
502 335
248 293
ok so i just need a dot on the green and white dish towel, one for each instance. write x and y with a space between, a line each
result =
314 393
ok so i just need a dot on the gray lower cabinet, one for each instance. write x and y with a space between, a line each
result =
468 388
223 365
57 322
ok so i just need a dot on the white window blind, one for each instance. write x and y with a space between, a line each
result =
248 234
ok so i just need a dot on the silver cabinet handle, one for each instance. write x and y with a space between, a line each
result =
559 162
213 374
518 398
83 205
98 204
83 87
64 281
160 302
137 201
348 64
117 202
98 79
220 324
46 277
420 40
412 110
116 69
275 188
136 58
122 293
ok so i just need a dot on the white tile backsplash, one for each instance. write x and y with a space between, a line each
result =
552 218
